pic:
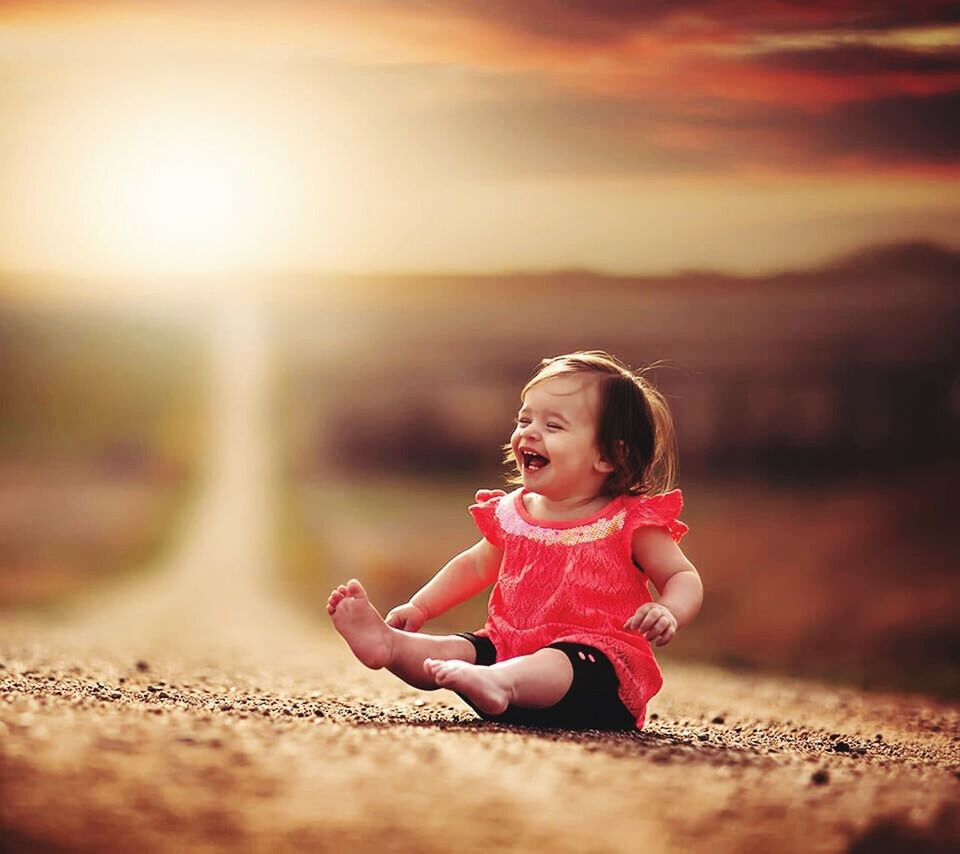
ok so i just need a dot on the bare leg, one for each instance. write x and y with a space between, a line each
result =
533 681
378 645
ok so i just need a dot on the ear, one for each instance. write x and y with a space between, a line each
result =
603 466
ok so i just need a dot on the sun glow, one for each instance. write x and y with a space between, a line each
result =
175 192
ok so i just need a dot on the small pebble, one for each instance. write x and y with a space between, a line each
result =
820 778
142 666
841 747
719 719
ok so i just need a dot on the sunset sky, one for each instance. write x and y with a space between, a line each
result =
483 135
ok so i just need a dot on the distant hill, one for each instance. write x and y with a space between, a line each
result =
911 257
915 258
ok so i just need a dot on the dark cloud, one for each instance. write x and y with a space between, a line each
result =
902 129
895 129
524 124
862 60
608 21
552 134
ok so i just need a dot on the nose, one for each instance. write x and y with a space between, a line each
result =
528 431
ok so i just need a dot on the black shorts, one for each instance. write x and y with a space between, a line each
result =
591 702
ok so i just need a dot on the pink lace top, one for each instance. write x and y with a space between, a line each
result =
576 581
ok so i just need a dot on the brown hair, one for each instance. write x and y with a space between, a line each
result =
635 430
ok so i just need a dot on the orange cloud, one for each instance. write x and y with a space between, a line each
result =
595 84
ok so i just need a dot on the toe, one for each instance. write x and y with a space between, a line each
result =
441 672
355 588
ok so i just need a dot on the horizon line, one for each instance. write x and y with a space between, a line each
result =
825 261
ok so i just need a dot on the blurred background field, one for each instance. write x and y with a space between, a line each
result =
101 422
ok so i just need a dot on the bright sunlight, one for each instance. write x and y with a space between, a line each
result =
175 192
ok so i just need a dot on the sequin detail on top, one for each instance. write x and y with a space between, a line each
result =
576 581
511 523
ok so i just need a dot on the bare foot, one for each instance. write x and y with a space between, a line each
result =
480 684
361 625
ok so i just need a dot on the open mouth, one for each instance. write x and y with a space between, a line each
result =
532 461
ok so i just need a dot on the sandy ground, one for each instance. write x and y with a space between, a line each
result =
191 709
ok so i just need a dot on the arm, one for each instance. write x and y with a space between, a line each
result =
676 579
462 577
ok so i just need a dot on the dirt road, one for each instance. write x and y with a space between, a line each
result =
191 709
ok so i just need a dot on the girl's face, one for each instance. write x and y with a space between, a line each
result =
555 440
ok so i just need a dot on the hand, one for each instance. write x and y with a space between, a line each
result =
407 617
655 622
486 494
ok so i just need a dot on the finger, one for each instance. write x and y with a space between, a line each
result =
657 628
655 614
648 622
666 637
635 621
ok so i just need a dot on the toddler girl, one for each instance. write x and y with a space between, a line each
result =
570 619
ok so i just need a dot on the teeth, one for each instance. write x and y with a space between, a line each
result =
533 461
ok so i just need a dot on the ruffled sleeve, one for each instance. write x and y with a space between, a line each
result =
485 515
656 511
